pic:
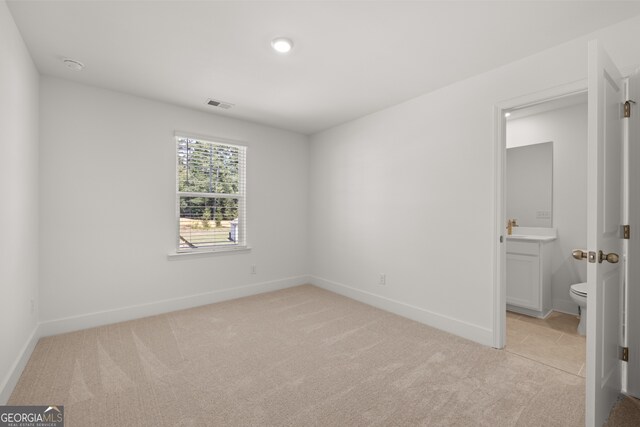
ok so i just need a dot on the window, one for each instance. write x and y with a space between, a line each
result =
211 195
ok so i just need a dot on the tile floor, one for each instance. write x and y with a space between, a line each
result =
553 341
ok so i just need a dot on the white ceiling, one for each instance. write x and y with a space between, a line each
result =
350 58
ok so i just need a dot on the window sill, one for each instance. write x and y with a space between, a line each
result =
208 253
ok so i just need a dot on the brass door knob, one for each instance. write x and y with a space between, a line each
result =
579 254
612 258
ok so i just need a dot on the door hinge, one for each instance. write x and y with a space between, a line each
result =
627 108
626 232
625 354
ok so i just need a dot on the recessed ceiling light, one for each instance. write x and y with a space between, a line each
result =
507 114
281 45
73 64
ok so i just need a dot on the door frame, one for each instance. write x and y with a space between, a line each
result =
500 216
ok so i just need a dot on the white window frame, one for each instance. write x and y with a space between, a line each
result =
241 244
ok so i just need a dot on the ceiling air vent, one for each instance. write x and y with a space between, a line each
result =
219 104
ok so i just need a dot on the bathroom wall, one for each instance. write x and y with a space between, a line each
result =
409 192
19 194
567 128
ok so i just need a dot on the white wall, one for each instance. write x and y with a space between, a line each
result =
409 191
19 193
567 128
108 209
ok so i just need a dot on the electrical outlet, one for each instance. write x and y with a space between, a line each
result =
254 270
543 214
382 280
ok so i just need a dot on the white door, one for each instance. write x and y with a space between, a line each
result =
632 301
604 218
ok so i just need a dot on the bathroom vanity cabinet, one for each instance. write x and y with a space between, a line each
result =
529 274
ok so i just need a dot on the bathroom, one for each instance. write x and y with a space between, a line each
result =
546 194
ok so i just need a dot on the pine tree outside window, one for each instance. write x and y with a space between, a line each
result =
211 195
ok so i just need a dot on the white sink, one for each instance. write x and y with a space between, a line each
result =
531 237
538 234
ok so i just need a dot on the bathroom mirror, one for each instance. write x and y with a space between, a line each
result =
529 183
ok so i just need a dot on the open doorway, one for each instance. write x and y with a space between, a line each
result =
545 195
518 108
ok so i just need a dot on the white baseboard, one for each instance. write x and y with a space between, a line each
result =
449 324
565 306
10 381
90 320
529 312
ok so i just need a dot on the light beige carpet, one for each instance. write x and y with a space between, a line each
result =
296 357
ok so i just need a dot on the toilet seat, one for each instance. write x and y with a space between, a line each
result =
579 289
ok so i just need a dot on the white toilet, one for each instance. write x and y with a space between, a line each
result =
578 294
